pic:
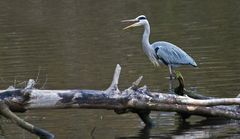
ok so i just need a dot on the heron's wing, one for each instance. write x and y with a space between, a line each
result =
171 54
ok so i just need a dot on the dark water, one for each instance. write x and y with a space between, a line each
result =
77 44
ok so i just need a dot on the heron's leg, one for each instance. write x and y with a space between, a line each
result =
170 71
170 85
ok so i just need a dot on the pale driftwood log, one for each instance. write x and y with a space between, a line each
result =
7 113
134 99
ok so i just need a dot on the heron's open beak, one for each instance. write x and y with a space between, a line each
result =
132 25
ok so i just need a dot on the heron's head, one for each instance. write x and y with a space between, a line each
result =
138 21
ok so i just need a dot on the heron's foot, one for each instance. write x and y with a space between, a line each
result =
171 78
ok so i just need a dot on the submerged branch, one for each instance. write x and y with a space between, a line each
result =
5 111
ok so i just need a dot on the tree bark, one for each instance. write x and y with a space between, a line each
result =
134 99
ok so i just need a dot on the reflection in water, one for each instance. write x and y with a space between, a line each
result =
1 130
77 44
187 130
144 133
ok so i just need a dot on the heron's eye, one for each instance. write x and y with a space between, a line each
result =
141 18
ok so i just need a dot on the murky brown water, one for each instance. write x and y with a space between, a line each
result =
77 44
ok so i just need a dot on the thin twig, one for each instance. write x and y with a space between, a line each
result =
14 82
39 70
44 84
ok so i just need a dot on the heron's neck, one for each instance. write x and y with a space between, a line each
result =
147 47
146 34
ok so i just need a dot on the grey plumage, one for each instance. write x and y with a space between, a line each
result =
161 51
169 53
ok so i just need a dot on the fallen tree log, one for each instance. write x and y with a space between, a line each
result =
134 99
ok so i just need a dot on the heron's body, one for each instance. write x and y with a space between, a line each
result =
170 54
161 52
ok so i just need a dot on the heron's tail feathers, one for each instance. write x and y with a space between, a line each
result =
194 64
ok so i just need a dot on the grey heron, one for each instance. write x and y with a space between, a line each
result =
161 52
